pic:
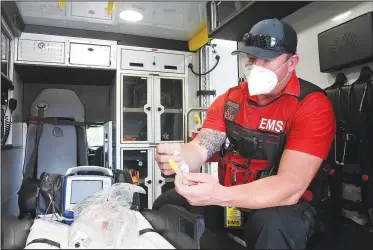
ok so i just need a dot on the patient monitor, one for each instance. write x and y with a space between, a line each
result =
77 187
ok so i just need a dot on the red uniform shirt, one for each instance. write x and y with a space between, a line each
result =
309 129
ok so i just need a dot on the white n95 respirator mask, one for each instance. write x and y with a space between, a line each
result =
261 81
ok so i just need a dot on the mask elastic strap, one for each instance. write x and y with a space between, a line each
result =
282 65
283 79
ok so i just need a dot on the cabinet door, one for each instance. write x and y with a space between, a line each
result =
93 11
170 63
41 51
136 109
90 54
137 60
162 183
141 159
169 104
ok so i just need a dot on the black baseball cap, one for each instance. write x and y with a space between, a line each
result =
269 39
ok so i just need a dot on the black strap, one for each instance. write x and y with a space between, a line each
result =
56 121
307 88
45 241
29 169
146 230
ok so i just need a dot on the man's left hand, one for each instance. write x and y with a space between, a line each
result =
204 191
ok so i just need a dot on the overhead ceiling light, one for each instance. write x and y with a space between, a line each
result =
341 16
131 15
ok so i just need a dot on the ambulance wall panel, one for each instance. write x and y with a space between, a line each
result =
96 99
16 129
309 22
225 75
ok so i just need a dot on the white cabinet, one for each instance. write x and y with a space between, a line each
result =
151 101
90 10
137 60
152 61
90 54
170 63
152 109
41 51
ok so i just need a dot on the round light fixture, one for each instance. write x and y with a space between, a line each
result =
131 15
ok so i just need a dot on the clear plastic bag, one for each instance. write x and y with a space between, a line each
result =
105 220
118 194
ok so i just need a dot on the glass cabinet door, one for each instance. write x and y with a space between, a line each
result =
136 113
162 183
141 160
169 109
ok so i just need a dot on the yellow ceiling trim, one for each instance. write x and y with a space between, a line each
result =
200 38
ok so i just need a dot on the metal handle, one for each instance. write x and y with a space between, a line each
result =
103 170
186 119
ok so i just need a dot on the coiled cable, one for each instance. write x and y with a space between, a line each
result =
7 125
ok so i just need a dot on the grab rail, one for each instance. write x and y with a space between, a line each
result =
188 111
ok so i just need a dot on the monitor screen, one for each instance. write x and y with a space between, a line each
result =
82 189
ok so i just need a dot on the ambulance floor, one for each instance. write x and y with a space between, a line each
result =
219 240
339 232
342 234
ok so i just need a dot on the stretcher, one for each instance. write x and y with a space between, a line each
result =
51 234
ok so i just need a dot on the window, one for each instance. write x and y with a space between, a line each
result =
95 136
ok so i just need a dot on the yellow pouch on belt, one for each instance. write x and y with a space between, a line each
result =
233 217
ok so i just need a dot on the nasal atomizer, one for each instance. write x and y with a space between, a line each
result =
179 170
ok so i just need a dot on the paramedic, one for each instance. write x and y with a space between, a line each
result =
272 119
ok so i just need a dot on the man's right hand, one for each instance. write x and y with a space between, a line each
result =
165 152
195 153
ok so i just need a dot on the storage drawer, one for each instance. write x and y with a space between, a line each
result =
90 54
170 63
137 60
41 51
152 61
90 10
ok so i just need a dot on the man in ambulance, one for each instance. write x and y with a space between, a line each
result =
280 129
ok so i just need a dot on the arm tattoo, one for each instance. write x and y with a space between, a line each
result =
211 140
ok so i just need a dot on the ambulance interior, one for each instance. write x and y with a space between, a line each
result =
113 79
